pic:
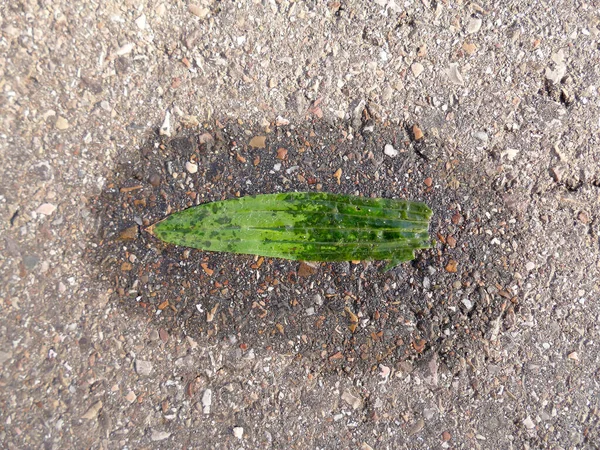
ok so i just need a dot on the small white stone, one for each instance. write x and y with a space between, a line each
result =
474 25
125 49
510 153
160 10
206 401
426 283
281 121
530 266
159 435
46 209
141 22
165 129
481 135
417 69
143 367
277 167
528 423
468 304
352 399
199 11
390 150
557 74
61 123
455 75
238 432
191 167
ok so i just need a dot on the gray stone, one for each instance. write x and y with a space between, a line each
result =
143 368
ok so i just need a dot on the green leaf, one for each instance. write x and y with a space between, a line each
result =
305 226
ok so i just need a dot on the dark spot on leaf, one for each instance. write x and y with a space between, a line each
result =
223 220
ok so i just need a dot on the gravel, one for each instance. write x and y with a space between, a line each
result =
115 115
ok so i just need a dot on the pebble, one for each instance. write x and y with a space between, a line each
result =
4 357
428 181
474 25
417 427
61 123
282 153
468 304
165 128
557 173
390 150
199 11
451 266
387 93
481 136
446 436
451 241
258 142
143 367
417 133
159 435
141 22
129 233
426 283
191 167
280 121
429 413
30 261
560 70
46 209
528 423
351 399
125 49
583 217
454 74
130 397
154 179
510 153
530 266
93 411
238 432
417 69
469 48
206 401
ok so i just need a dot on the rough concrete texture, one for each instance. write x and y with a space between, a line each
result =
115 114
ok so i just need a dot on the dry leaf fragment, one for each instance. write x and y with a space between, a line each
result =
338 175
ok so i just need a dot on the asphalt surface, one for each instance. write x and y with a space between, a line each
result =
114 115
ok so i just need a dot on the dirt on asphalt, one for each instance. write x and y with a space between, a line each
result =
117 115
